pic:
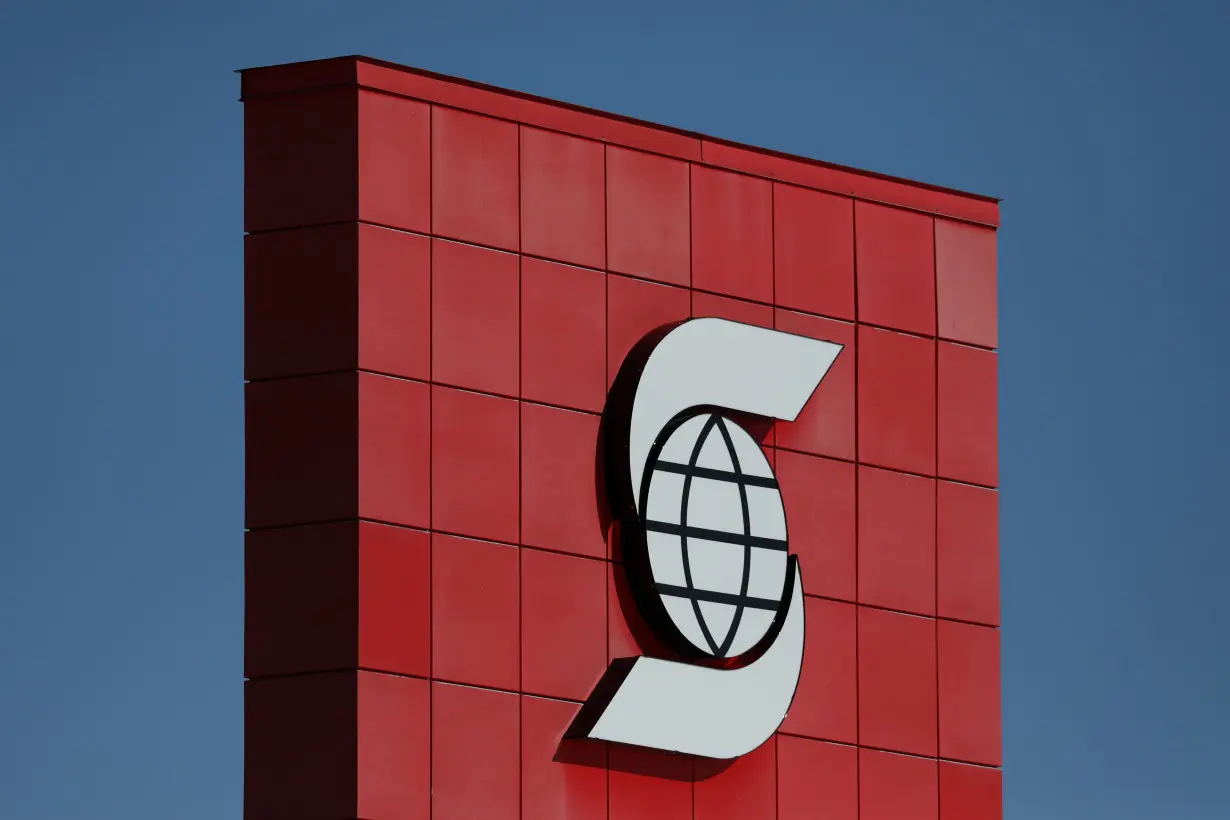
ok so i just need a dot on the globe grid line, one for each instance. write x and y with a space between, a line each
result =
716 475
733 629
720 536
683 522
713 596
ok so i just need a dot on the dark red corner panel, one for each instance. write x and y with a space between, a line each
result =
441 281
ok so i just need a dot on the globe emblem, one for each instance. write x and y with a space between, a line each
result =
715 531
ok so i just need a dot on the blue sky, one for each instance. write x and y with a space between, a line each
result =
1102 125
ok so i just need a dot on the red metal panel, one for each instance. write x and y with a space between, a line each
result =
475 465
301 302
968 414
633 309
621 641
563 624
302 450
563 202
745 789
475 328
560 504
970 793
969 693
648 231
558 782
394 303
816 779
563 335
826 425
646 785
394 445
301 608
826 702
474 178
301 747
301 160
475 612
896 541
394 747
394 161
965 283
896 682
732 234
896 401
394 607
895 250
813 251
818 494
475 754
967 553
897 787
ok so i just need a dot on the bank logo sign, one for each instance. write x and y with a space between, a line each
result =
704 537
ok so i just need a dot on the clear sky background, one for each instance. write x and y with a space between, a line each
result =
1103 125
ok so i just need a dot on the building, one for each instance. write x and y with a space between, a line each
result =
443 280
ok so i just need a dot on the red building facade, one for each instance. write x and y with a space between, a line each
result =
442 281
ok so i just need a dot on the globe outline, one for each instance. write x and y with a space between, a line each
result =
653 591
